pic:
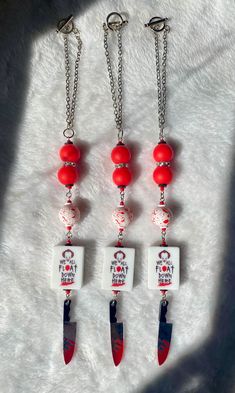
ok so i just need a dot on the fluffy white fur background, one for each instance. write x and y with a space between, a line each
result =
200 118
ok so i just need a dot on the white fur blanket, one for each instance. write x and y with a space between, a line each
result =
200 118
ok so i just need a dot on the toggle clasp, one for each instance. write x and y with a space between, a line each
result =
115 21
65 25
157 23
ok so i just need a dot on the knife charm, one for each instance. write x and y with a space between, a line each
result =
163 275
116 330
118 273
164 334
69 333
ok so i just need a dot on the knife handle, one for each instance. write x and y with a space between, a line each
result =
67 304
163 310
112 311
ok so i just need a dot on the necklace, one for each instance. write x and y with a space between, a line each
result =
68 259
118 269
163 261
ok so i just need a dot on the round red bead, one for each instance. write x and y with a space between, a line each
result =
69 153
162 175
67 175
120 154
122 176
163 153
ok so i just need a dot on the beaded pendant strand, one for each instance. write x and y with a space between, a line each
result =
163 261
118 268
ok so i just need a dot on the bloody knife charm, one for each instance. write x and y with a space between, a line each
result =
163 261
165 331
116 331
69 331
118 272
163 274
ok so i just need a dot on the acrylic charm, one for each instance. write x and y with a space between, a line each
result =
164 268
118 269
69 333
164 333
116 333
68 264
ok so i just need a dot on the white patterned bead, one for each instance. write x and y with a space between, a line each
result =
161 216
122 216
69 214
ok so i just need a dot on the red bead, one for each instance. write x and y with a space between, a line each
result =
120 154
163 152
69 153
67 175
162 175
122 176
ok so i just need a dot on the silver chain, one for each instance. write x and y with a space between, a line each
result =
71 98
115 92
161 79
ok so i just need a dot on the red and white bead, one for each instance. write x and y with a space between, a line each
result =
161 216
69 214
122 216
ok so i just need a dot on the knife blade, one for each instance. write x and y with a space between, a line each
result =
164 334
116 330
69 333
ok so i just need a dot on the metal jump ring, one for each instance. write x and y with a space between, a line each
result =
68 135
115 295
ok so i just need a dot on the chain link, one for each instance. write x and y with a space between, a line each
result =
120 236
162 198
163 236
69 236
161 78
68 195
122 195
164 295
71 98
116 92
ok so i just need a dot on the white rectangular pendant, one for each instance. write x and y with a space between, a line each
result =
163 268
68 264
118 269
